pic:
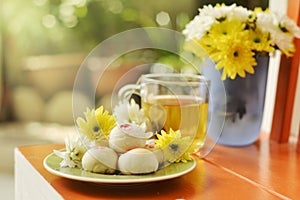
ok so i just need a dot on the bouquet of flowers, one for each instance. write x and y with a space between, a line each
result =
232 36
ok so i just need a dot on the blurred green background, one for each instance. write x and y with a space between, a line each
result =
43 42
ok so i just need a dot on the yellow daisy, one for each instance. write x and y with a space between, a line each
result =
175 148
209 44
106 121
237 60
97 124
227 27
260 41
234 57
222 35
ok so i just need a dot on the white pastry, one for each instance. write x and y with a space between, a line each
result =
127 136
138 161
150 145
100 160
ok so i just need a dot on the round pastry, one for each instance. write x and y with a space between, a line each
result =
125 137
100 160
138 161
150 145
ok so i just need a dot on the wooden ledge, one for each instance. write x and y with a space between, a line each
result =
264 170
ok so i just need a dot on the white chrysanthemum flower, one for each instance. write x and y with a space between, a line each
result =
289 25
266 22
121 112
136 114
284 41
282 30
127 112
217 12
239 13
207 10
75 150
67 161
197 28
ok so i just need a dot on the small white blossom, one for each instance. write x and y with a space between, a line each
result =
67 161
75 149
265 22
136 114
282 29
282 40
289 25
126 112
217 12
209 10
121 112
198 27
240 13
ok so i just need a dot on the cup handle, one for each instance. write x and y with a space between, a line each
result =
126 91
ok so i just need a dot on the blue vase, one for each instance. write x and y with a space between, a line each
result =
239 117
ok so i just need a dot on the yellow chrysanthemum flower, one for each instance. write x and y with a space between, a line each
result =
209 44
174 147
234 55
227 27
230 48
237 60
164 139
260 41
97 124
106 121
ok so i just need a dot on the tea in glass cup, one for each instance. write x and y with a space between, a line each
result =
177 101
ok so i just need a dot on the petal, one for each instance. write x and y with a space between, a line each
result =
241 73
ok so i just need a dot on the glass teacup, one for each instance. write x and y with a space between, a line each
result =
174 101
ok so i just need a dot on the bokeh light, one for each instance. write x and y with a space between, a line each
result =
163 18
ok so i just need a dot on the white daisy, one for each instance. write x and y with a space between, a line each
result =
126 112
240 13
217 12
207 10
75 149
266 22
136 114
198 27
284 41
289 25
121 112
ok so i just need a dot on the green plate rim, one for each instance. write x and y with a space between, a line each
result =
177 170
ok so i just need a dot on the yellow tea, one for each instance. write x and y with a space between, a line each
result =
188 114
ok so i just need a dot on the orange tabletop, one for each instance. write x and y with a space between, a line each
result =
260 171
272 166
